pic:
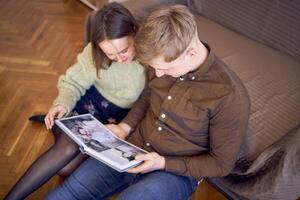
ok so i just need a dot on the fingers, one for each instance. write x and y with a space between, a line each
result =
142 168
152 161
47 120
143 157
110 126
118 131
61 114
145 166
52 115
125 127
58 111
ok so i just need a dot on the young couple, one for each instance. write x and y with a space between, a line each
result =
191 116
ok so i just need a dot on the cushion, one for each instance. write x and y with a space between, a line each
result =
271 78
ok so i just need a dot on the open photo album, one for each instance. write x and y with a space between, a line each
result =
99 142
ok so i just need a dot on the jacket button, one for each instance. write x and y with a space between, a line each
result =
147 144
169 97
163 115
159 128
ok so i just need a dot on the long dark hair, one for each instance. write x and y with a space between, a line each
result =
113 21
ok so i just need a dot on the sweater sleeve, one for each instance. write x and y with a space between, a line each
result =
227 128
140 107
77 79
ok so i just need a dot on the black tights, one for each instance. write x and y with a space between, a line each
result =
62 158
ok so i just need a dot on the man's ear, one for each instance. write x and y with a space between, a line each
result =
191 52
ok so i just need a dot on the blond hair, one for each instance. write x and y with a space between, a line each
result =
165 32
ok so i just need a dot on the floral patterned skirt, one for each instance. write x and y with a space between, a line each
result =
105 111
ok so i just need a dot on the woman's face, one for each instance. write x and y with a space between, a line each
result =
120 50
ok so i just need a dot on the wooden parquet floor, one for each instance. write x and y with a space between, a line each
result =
39 39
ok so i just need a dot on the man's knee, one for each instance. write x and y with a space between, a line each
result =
159 185
145 192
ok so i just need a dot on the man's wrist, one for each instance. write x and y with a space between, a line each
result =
163 163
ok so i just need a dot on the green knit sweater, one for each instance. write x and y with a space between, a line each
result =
121 84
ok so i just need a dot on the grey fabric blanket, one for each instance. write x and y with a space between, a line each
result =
275 174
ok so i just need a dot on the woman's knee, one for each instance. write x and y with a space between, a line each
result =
72 166
66 149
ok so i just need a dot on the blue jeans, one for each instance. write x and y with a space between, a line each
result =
95 180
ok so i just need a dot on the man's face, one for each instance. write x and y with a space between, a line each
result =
175 68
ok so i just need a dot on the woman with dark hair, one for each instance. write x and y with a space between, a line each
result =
105 81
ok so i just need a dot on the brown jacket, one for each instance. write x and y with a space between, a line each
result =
197 121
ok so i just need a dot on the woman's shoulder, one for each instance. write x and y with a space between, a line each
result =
87 50
86 56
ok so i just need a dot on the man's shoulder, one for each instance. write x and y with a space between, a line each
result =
230 81
221 73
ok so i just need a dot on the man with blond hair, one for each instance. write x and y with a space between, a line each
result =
191 118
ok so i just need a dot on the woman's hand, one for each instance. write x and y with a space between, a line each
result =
54 112
121 130
151 161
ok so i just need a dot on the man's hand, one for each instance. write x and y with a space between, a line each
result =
121 130
152 161
55 111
